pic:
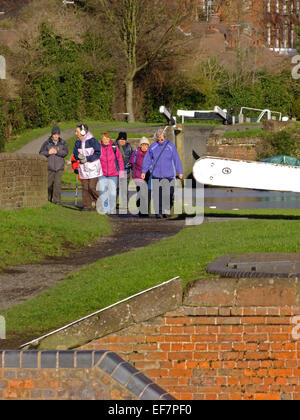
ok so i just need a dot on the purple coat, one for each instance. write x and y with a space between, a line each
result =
168 164
137 159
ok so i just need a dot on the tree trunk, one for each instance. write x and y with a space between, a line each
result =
129 100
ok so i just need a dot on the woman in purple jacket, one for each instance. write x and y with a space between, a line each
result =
143 193
163 161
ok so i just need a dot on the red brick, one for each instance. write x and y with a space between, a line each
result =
180 355
254 320
180 372
157 356
281 372
178 321
231 320
206 356
204 338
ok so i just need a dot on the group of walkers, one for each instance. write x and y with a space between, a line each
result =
105 167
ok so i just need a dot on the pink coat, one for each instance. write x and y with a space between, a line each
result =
108 160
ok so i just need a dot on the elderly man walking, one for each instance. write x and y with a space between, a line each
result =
55 149
163 161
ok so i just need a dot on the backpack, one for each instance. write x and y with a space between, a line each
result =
114 146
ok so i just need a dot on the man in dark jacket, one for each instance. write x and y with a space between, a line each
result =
125 149
126 152
55 149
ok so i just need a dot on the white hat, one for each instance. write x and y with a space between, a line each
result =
144 140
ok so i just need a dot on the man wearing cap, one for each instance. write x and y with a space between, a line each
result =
55 149
125 149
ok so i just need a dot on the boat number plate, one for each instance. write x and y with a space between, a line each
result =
226 171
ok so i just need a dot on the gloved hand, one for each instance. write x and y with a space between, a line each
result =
82 158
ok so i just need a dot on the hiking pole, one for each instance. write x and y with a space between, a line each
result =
76 192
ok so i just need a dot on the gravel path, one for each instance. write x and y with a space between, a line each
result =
34 146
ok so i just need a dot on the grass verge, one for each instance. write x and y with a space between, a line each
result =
251 132
29 235
186 254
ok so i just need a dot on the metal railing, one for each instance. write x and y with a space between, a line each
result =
263 112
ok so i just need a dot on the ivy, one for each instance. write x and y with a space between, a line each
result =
65 82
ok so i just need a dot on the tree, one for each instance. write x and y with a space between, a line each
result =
142 31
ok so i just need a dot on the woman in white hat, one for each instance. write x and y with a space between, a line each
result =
136 160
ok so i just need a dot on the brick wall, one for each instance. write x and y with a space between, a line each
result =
23 180
230 339
235 148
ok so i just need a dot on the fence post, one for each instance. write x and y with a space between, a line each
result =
2 328
2 68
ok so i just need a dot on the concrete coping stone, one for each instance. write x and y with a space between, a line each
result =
140 307
24 156
106 361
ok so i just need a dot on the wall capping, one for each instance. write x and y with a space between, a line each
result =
135 382
134 309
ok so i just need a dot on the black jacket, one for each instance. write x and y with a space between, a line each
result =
126 152
55 162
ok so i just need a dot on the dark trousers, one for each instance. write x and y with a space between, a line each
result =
143 197
89 192
163 190
54 186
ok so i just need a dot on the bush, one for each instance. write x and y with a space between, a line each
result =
60 82
69 93
16 116
98 94
285 142
296 108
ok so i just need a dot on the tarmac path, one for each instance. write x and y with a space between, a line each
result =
34 146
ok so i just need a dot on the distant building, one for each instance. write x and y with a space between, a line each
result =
271 23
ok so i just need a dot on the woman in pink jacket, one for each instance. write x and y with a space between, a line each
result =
113 167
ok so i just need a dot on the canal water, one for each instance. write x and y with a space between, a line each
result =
238 199
233 199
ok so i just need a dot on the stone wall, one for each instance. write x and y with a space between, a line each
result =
23 180
233 148
191 144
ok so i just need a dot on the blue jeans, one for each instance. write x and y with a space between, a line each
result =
108 193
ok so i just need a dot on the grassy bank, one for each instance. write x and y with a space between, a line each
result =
29 135
251 132
29 235
186 254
